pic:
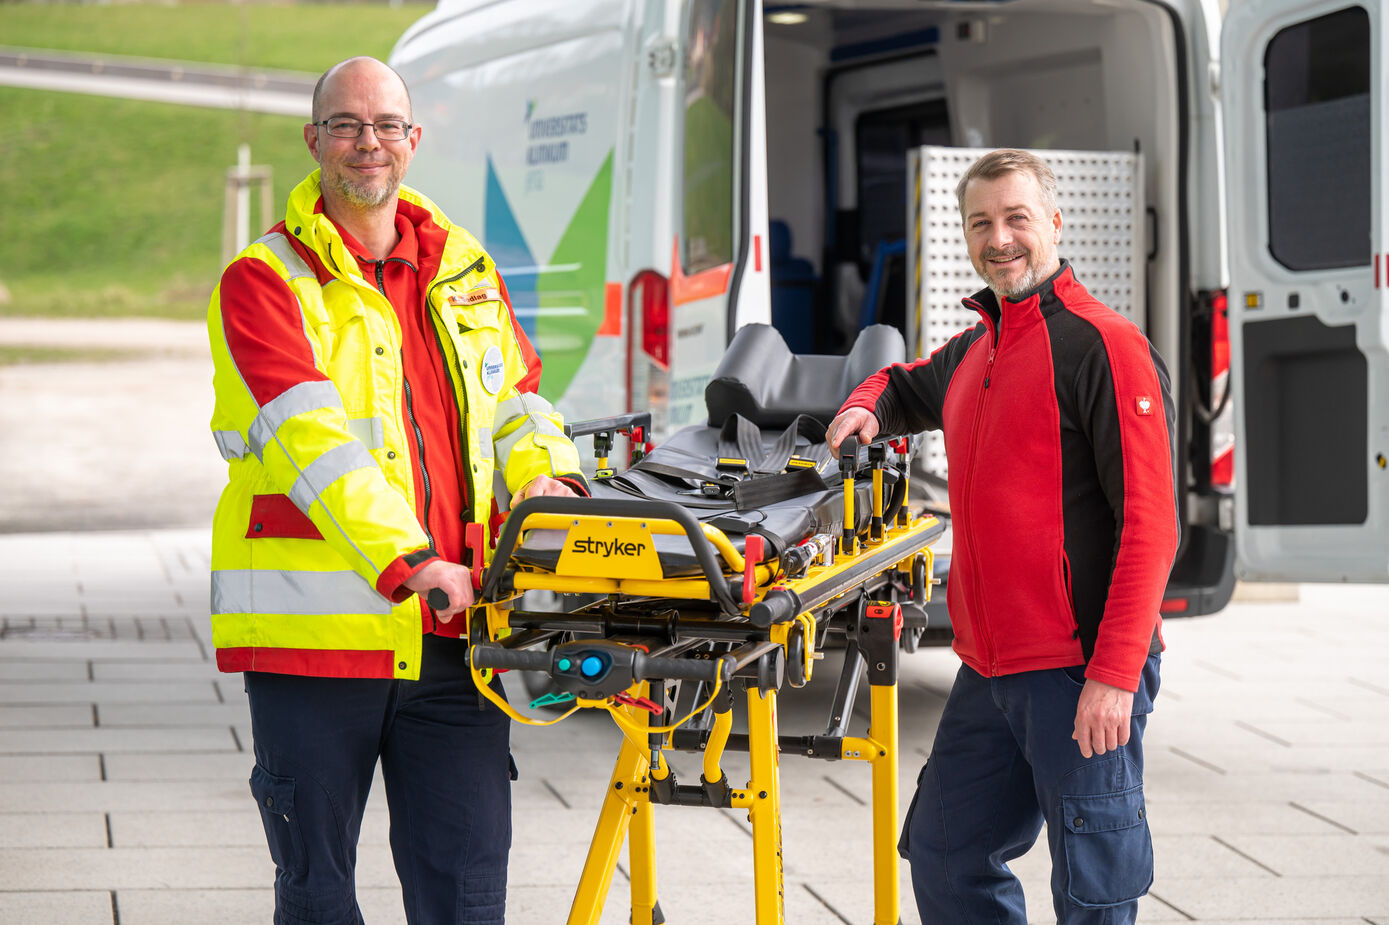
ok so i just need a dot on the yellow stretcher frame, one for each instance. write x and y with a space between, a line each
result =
786 615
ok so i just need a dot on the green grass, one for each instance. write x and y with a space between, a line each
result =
114 207
299 38
19 356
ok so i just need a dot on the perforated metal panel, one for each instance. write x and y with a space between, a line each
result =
1100 194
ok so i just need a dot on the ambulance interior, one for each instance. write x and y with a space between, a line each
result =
1041 74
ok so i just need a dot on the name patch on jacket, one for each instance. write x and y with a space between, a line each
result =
493 369
474 296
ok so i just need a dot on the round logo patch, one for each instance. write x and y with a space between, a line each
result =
493 369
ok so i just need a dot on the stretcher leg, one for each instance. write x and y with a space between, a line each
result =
886 889
764 809
618 812
641 855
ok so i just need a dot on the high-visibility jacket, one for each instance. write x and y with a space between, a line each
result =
317 527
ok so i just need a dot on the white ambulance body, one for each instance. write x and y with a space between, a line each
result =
652 174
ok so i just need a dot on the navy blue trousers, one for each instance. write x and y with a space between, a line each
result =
1004 762
447 769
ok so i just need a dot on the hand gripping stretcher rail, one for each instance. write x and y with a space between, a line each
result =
699 576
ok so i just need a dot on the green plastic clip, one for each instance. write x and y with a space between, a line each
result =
549 700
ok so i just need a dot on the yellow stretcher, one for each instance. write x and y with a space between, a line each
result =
662 656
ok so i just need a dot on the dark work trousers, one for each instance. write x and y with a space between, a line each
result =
1002 763
447 770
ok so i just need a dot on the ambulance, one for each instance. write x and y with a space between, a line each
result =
650 175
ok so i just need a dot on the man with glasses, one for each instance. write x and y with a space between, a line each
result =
370 378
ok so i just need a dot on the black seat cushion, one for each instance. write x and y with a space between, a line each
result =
761 379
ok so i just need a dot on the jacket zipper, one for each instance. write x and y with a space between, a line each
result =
460 390
983 623
410 411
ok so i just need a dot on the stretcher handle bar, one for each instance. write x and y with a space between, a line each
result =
782 604
679 627
617 422
644 667
611 507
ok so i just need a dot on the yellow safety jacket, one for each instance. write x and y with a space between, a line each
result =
317 526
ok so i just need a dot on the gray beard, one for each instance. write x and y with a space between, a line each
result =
363 197
1025 284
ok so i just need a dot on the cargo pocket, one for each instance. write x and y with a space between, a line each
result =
275 797
1109 851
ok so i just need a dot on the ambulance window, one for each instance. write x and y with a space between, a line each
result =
710 75
1317 99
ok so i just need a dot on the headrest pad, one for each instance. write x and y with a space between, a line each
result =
761 379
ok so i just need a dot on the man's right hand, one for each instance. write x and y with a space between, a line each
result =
454 580
854 422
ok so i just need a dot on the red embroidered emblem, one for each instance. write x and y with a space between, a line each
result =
1144 405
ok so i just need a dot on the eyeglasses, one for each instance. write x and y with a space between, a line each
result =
385 129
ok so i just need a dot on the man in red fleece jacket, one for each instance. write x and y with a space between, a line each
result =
1058 422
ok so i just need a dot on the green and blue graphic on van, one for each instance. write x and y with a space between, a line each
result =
559 301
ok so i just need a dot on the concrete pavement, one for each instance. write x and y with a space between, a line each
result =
124 757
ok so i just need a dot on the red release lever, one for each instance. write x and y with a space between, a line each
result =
649 705
752 554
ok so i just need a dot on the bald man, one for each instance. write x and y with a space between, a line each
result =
371 380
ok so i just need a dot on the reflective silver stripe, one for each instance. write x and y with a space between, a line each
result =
327 469
533 425
296 400
279 245
371 431
230 443
484 442
316 593
522 403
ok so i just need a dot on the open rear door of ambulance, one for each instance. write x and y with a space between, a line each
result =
719 270
1305 154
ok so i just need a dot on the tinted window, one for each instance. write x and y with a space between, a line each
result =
710 81
1317 98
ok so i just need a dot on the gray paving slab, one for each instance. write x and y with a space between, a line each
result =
140 650
59 741
1364 816
24 672
1262 899
193 829
379 905
58 907
161 671
138 868
53 830
163 714
1178 816
55 717
1321 855
228 765
15 769
117 796
107 692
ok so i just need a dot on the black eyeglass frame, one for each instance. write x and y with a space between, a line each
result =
407 127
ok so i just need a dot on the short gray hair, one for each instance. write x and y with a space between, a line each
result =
1010 160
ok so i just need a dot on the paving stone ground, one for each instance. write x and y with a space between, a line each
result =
124 755
124 758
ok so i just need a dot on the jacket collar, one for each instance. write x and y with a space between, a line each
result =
986 302
440 244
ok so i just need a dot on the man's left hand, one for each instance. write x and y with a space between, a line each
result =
542 486
1102 718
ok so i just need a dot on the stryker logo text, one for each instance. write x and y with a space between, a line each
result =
608 548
